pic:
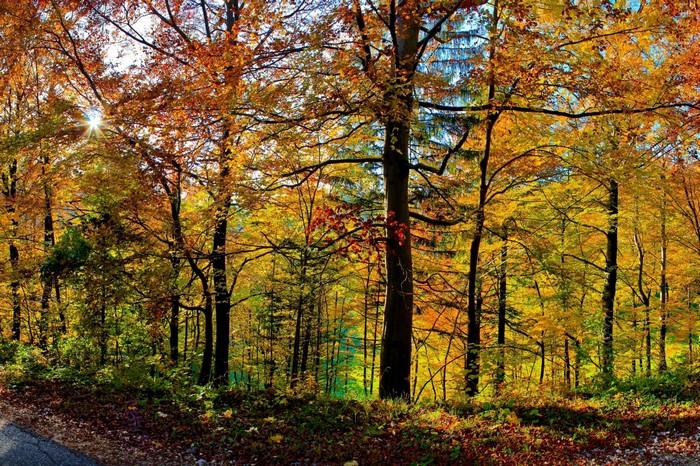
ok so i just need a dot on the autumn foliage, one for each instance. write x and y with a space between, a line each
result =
403 199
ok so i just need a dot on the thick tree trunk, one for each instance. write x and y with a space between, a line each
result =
609 287
223 299
395 357
222 303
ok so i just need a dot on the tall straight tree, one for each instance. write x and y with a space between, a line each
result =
412 27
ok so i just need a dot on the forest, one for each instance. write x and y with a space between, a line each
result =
408 200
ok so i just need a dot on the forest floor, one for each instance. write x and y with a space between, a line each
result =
236 427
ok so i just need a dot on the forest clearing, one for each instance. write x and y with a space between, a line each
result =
436 231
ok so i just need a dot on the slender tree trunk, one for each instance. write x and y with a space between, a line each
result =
365 328
501 338
61 315
207 311
647 341
540 343
296 345
103 325
472 368
306 342
691 357
609 287
14 290
374 342
567 364
10 192
634 332
178 246
317 349
48 279
577 359
205 371
663 327
644 294
174 323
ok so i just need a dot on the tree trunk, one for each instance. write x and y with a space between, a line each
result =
472 368
395 356
14 290
223 299
567 364
205 370
174 323
178 246
647 341
609 287
10 192
663 327
644 295
304 366
691 357
102 340
49 240
502 290
296 345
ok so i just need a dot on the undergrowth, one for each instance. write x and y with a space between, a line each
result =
285 425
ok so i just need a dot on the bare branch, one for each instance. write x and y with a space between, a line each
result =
436 221
561 113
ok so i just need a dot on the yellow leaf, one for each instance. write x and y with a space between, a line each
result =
513 418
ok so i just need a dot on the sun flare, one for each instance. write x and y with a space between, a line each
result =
94 122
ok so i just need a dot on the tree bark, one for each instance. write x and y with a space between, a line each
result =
10 182
221 292
472 366
609 287
501 338
174 324
395 356
296 344
663 327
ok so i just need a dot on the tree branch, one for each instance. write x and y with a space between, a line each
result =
548 111
436 221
